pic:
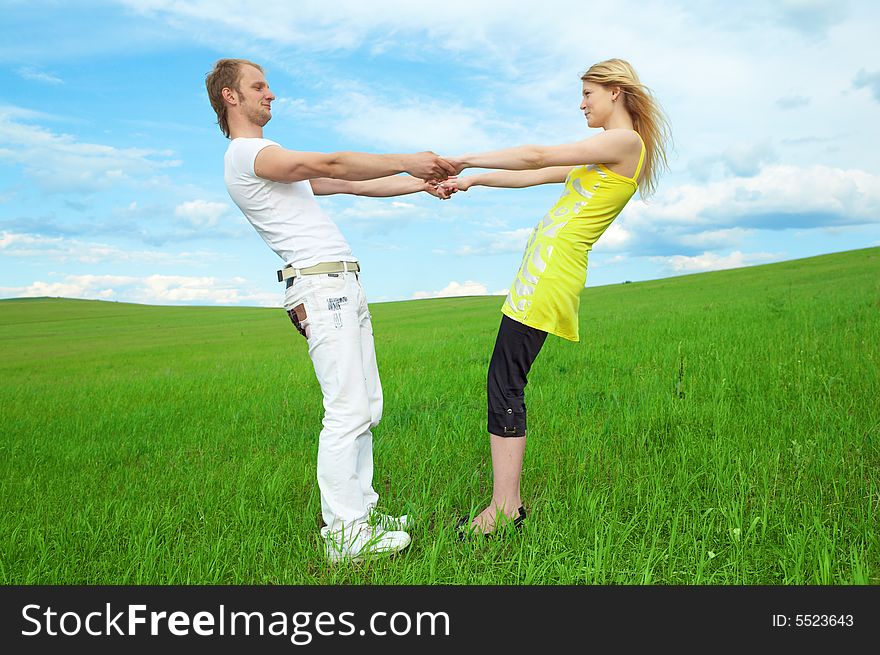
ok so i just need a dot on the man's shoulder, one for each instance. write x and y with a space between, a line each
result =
242 152
249 143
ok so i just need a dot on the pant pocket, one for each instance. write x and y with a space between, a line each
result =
300 318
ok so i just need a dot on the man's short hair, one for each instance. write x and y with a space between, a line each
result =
226 74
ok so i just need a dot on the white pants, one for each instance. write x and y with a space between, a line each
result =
332 313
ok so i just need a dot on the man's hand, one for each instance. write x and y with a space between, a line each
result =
429 166
458 163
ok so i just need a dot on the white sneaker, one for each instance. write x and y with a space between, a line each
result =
362 541
388 522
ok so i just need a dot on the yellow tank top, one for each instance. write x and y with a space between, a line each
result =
545 293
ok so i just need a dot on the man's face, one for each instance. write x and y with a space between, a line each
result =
255 97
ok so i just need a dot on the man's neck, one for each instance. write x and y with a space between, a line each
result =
249 131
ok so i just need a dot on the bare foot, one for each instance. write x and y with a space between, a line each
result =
484 522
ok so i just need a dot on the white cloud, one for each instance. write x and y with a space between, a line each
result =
453 289
508 75
617 259
709 261
812 17
864 79
777 197
153 289
792 101
419 124
60 162
364 209
36 75
518 63
100 287
716 238
616 237
747 159
379 216
296 106
500 242
12 112
201 213
351 24
174 289
65 250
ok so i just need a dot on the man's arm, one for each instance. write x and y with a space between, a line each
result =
383 187
282 165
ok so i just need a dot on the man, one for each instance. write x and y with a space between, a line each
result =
275 188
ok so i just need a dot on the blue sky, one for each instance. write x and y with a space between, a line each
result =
111 163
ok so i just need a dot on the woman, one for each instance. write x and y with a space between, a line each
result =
601 174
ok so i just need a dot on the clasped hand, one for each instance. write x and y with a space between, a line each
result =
445 188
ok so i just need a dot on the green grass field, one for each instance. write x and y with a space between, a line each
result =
719 428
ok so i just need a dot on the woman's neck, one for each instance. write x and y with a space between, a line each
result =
619 120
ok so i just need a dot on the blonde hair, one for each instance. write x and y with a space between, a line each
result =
225 75
647 116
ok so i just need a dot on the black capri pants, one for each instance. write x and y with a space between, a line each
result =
516 348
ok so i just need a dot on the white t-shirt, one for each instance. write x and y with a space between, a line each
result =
285 214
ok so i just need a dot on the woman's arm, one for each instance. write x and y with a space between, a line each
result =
511 179
607 147
383 187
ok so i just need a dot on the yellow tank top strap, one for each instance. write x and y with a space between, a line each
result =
641 159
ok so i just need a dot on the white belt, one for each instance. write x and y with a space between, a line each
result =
324 267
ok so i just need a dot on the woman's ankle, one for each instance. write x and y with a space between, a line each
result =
508 506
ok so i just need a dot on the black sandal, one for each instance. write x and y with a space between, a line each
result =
465 533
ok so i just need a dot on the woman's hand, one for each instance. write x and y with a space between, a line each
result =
455 183
447 187
462 183
442 190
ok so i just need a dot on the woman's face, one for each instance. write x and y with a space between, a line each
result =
597 103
